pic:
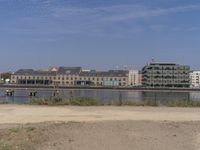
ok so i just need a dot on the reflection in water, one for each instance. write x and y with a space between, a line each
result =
105 95
165 96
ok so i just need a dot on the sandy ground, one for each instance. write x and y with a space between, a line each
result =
98 128
35 114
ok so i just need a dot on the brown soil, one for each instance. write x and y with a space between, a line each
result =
107 135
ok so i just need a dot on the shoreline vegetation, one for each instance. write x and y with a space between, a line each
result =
87 101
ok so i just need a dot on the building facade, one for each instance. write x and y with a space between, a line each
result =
134 78
105 78
70 76
35 77
195 79
166 75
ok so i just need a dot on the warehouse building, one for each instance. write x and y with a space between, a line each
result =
71 76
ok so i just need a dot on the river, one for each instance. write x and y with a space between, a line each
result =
103 95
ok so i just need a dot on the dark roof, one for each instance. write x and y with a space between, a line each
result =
164 64
69 70
73 70
110 73
61 70
168 64
33 72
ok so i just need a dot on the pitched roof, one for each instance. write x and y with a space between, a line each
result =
110 73
33 72
69 70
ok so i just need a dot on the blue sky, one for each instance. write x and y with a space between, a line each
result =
100 34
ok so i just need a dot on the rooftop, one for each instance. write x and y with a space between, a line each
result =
115 73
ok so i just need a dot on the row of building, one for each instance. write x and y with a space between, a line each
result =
151 75
76 76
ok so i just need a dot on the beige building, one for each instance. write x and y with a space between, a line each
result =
107 78
71 76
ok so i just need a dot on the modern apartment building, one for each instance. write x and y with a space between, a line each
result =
71 76
195 79
166 75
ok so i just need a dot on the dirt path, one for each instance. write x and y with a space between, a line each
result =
35 114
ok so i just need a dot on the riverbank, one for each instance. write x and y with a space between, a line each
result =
85 101
99 128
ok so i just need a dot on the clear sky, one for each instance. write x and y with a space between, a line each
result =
100 34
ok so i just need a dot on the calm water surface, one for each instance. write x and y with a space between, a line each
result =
103 95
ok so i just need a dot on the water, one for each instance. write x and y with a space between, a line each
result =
21 96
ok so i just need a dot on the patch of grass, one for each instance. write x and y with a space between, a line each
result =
152 103
169 103
30 129
85 101
5 146
79 101
182 103
4 102
49 101
14 130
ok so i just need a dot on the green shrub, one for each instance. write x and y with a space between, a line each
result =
81 101
5 146
84 101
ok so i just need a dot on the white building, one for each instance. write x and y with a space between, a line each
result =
195 79
134 78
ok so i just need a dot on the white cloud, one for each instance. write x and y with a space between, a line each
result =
119 12
52 18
